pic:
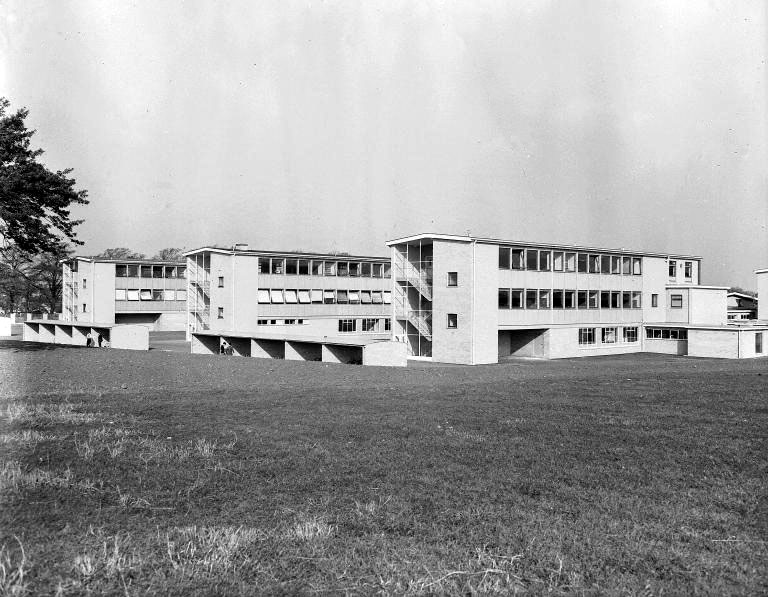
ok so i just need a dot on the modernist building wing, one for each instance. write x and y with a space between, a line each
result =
464 299
146 291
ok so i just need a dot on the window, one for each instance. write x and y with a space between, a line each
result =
220 314
581 299
289 322
354 297
453 321
145 294
544 299
503 298
615 298
262 322
291 296
630 334
170 271
157 271
276 296
85 310
593 298
365 297
317 296
221 281
121 271
85 283
377 297
676 301
609 335
170 295
557 299
387 270
518 258
292 266
615 264
181 295
586 336
626 300
146 271
570 262
672 268
605 299
370 325
378 270
329 297
263 296
688 267
330 268
278 266
570 299
636 299
120 294
626 265
453 278
387 325
347 325
133 271
342 268
157 295
758 342
583 265
637 266
133 295
654 300
341 297
354 269
317 268
365 269
503 257
531 301
263 265
558 261
605 264
303 267
594 264
182 271
531 259
304 297
516 298
545 261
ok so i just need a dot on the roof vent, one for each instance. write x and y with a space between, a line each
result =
240 247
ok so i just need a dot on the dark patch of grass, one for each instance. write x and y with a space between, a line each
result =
628 475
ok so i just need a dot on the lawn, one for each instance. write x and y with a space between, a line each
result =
174 474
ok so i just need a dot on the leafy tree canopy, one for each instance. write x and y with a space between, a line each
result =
34 201
742 290
120 253
169 254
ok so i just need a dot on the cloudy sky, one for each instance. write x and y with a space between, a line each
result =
339 125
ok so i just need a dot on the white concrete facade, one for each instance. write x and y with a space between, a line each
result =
303 295
140 292
471 300
762 293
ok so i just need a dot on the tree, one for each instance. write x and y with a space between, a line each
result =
47 276
170 254
15 273
34 201
119 253
742 290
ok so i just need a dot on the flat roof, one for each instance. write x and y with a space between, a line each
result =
352 340
123 261
296 254
697 286
496 241
761 271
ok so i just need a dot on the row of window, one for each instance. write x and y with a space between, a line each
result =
327 297
122 294
322 267
545 260
687 269
367 324
150 271
519 298
277 321
666 333
609 335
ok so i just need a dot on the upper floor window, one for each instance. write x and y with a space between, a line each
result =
654 300
221 313
688 270
85 284
121 271
453 321
221 281
453 278
517 257
558 261
672 268
583 263
676 301
503 257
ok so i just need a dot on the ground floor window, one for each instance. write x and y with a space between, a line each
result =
387 324
347 325
586 336
370 325
609 335
666 333
759 342
630 334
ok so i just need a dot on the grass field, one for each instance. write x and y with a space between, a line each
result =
175 474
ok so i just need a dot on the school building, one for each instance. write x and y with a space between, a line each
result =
111 291
471 300
292 305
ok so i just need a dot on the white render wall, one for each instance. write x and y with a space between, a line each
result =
762 294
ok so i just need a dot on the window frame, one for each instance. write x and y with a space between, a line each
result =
587 336
674 299
452 321
452 282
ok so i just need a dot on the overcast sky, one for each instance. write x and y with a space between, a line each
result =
340 125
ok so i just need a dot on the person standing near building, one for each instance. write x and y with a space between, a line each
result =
88 340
